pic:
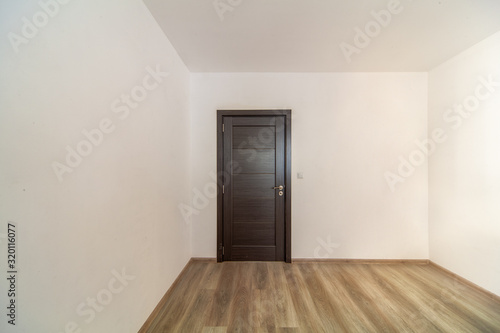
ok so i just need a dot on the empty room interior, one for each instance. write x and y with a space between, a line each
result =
250 166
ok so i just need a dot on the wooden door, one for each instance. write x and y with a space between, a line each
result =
254 187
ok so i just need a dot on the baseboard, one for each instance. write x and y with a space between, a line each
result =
474 286
147 324
341 261
204 259
363 261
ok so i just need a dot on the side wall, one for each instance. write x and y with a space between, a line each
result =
464 172
99 238
348 131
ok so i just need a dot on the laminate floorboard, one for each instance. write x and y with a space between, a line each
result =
323 297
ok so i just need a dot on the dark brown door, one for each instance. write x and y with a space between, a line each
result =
254 187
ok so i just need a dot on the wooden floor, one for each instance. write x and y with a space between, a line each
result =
323 297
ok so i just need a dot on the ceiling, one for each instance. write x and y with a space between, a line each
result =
323 35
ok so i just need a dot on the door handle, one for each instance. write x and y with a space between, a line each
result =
281 187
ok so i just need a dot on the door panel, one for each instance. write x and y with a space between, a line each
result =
254 185
253 137
254 233
253 209
253 214
262 253
255 160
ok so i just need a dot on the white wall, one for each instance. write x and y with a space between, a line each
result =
348 130
464 173
117 210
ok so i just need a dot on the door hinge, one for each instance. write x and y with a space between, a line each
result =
222 128
222 189
223 250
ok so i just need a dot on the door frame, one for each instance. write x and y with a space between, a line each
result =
287 113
